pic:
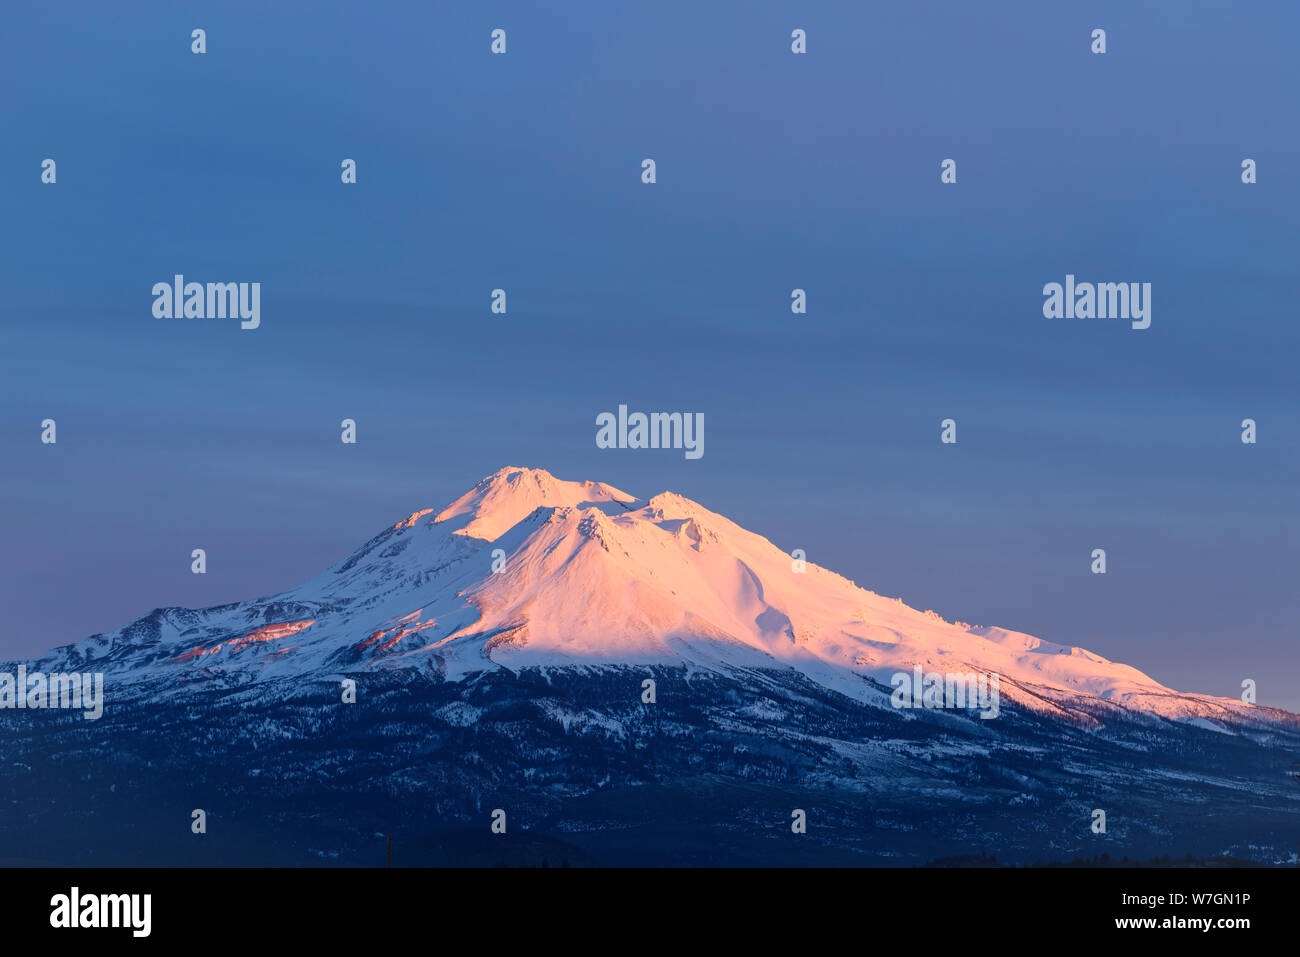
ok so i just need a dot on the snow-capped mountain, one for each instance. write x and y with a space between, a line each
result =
499 649
526 570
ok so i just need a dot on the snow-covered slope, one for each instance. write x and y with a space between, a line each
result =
526 570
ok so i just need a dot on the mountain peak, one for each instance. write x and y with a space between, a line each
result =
509 495
598 576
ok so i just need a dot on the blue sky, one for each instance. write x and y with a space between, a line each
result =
775 171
